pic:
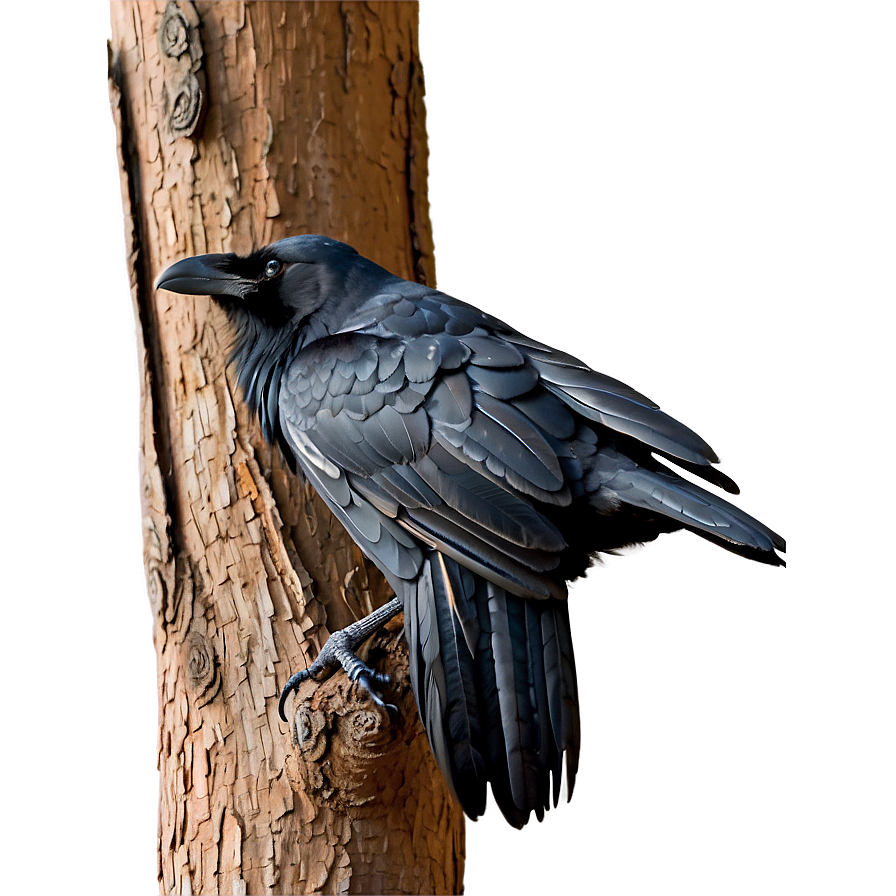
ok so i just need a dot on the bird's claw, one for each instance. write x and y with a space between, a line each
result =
339 651
289 687
368 679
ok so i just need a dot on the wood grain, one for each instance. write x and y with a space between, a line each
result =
311 121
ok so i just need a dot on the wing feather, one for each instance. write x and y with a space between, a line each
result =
448 445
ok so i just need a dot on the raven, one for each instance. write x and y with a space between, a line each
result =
480 470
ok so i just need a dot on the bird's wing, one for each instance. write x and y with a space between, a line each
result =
416 439
593 395
619 407
443 436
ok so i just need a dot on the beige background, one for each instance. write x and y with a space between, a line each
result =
696 199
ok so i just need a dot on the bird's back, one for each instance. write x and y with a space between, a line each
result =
482 470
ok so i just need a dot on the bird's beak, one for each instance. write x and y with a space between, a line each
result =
202 275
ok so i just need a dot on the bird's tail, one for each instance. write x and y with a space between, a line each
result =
494 677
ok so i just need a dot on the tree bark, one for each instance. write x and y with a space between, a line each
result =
239 124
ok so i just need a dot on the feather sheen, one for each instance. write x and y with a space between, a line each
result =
480 470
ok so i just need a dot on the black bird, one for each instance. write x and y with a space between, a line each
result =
480 471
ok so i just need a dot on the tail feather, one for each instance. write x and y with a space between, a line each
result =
515 708
538 684
556 639
462 712
442 677
496 749
504 712
426 673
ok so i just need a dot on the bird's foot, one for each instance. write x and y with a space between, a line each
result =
340 651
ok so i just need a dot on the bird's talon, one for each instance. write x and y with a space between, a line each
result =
293 685
371 675
339 651
368 679
284 696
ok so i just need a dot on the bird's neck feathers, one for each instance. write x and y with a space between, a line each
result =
267 338
260 354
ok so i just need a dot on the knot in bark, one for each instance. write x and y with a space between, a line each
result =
173 32
202 670
364 727
156 559
181 50
185 105
310 734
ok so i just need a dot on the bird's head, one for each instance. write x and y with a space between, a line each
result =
277 298
280 284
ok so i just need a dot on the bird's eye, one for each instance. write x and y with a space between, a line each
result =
272 268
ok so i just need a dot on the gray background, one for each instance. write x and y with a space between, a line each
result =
715 178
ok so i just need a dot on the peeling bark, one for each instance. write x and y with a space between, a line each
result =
241 123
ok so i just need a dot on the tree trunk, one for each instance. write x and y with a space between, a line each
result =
239 124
